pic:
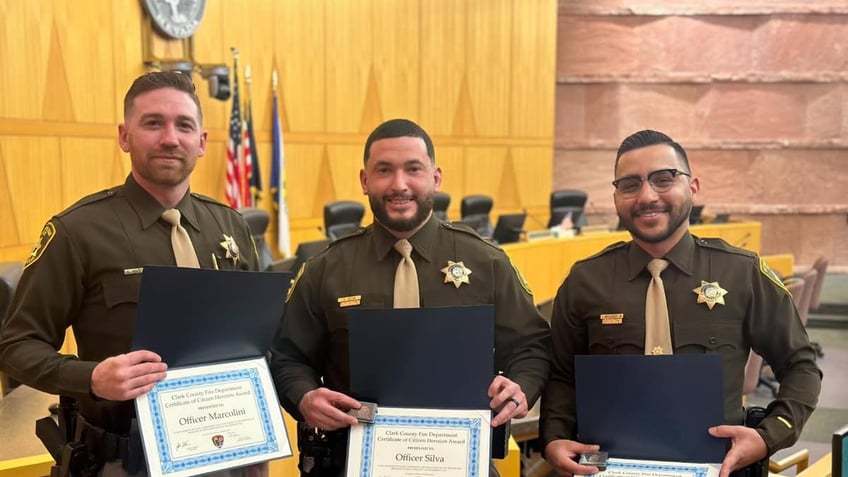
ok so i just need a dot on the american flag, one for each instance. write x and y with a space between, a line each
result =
251 158
233 185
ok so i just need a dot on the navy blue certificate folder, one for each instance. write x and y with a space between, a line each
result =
651 407
193 316
437 358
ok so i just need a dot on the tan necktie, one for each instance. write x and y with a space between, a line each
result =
406 278
657 333
183 249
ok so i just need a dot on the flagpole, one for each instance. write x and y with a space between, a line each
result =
247 150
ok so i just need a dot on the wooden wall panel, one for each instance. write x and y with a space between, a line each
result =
474 73
533 24
393 84
488 64
32 169
349 57
299 46
24 70
443 25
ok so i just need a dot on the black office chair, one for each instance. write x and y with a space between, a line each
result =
10 273
441 201
342 217
474 211
257 221
307 250
567 201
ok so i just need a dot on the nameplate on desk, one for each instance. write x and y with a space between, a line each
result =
533 235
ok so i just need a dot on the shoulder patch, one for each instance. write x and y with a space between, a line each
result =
294 282
771 275
47 234
521 279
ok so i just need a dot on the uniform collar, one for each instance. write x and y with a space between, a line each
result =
149 210
422 241
682 256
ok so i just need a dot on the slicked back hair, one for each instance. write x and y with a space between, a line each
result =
159 80
399 128
648 137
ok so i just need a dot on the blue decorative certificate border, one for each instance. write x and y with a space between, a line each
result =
471 424
694 470
171 465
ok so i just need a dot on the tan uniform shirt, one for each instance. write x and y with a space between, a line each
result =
84 274
757 313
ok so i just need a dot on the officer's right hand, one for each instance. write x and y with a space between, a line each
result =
127 376
325 409
561 454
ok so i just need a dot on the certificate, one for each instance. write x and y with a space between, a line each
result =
414 442
655 468
212 417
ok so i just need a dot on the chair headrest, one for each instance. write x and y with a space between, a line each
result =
568 198
345 211
257 219
475 204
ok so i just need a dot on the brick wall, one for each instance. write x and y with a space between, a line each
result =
755 90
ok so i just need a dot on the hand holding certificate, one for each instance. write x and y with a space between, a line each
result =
217 408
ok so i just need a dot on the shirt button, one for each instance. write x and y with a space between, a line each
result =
713 340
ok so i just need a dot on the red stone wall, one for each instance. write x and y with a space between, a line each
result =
755 90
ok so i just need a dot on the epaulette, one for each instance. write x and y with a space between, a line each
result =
89 199
608 249
721 245
356 233
464 228
206 198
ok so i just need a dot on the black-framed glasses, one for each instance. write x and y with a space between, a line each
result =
661 181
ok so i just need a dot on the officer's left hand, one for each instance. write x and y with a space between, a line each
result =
508 399
747 447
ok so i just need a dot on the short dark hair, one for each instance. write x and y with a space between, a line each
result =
647 138
159 80
399 128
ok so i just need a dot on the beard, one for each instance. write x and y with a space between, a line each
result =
676 217
423 209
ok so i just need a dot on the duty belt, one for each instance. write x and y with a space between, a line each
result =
108 446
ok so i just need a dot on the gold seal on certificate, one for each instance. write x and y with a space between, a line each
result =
410 442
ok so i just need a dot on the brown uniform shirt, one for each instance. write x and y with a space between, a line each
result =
758 313
312 341
81 275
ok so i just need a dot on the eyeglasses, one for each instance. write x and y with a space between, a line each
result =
661 181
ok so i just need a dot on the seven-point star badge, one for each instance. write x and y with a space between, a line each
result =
710 293
457 273
229 244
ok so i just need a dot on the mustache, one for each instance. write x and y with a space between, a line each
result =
398 197
650 210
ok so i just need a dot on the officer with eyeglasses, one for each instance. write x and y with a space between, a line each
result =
720 299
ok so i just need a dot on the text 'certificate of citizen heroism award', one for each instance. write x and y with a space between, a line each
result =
212 417
414 442
217 408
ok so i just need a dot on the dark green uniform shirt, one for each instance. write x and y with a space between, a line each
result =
85 273
758 313
312 341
